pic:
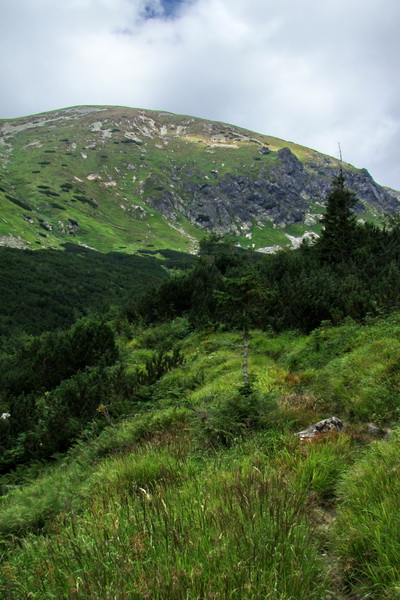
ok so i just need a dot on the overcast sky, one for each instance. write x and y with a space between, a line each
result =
316 72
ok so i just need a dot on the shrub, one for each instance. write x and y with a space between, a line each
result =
164 336
233 415
157 365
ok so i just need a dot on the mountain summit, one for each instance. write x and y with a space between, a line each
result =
115 178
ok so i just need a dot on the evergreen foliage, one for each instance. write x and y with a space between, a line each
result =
52 386
339 233
157 365
49 289
190 294
351 271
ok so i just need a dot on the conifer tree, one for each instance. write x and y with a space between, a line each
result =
243 297
338 238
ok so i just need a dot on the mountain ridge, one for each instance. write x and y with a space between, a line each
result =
120 179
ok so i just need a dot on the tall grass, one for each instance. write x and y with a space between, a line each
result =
216 534
224 503
29 507
352 369
64 485
318 466
368 524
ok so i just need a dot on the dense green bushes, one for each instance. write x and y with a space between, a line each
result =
352 270
49 289
52 385
301 288
56 384
190 294
38 364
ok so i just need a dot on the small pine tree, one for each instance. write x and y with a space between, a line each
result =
242 298
338 238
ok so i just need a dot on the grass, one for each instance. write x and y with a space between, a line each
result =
178 529
48 490
31 506
355 368
164 506
368 522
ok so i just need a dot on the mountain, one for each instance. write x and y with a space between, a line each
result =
158 445
123 179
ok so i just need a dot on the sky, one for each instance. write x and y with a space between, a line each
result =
316 72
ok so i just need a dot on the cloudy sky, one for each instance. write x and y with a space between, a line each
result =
316 72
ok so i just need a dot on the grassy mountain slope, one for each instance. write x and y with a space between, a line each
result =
194 499
120 179
136 464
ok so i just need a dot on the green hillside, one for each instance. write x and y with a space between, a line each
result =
121 179
202 491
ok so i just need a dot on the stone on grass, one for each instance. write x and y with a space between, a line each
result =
324 426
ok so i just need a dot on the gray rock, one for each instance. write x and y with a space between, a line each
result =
281 194
387 434
373 429
13 241
324 426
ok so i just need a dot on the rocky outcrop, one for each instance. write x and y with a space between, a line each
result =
282 195
235 202
369 193
12 241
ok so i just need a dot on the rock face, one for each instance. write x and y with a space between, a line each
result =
324 426
12 241
281 195
236 201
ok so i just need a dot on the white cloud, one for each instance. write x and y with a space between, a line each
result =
313 72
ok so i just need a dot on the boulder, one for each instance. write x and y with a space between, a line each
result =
324 426
373 429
